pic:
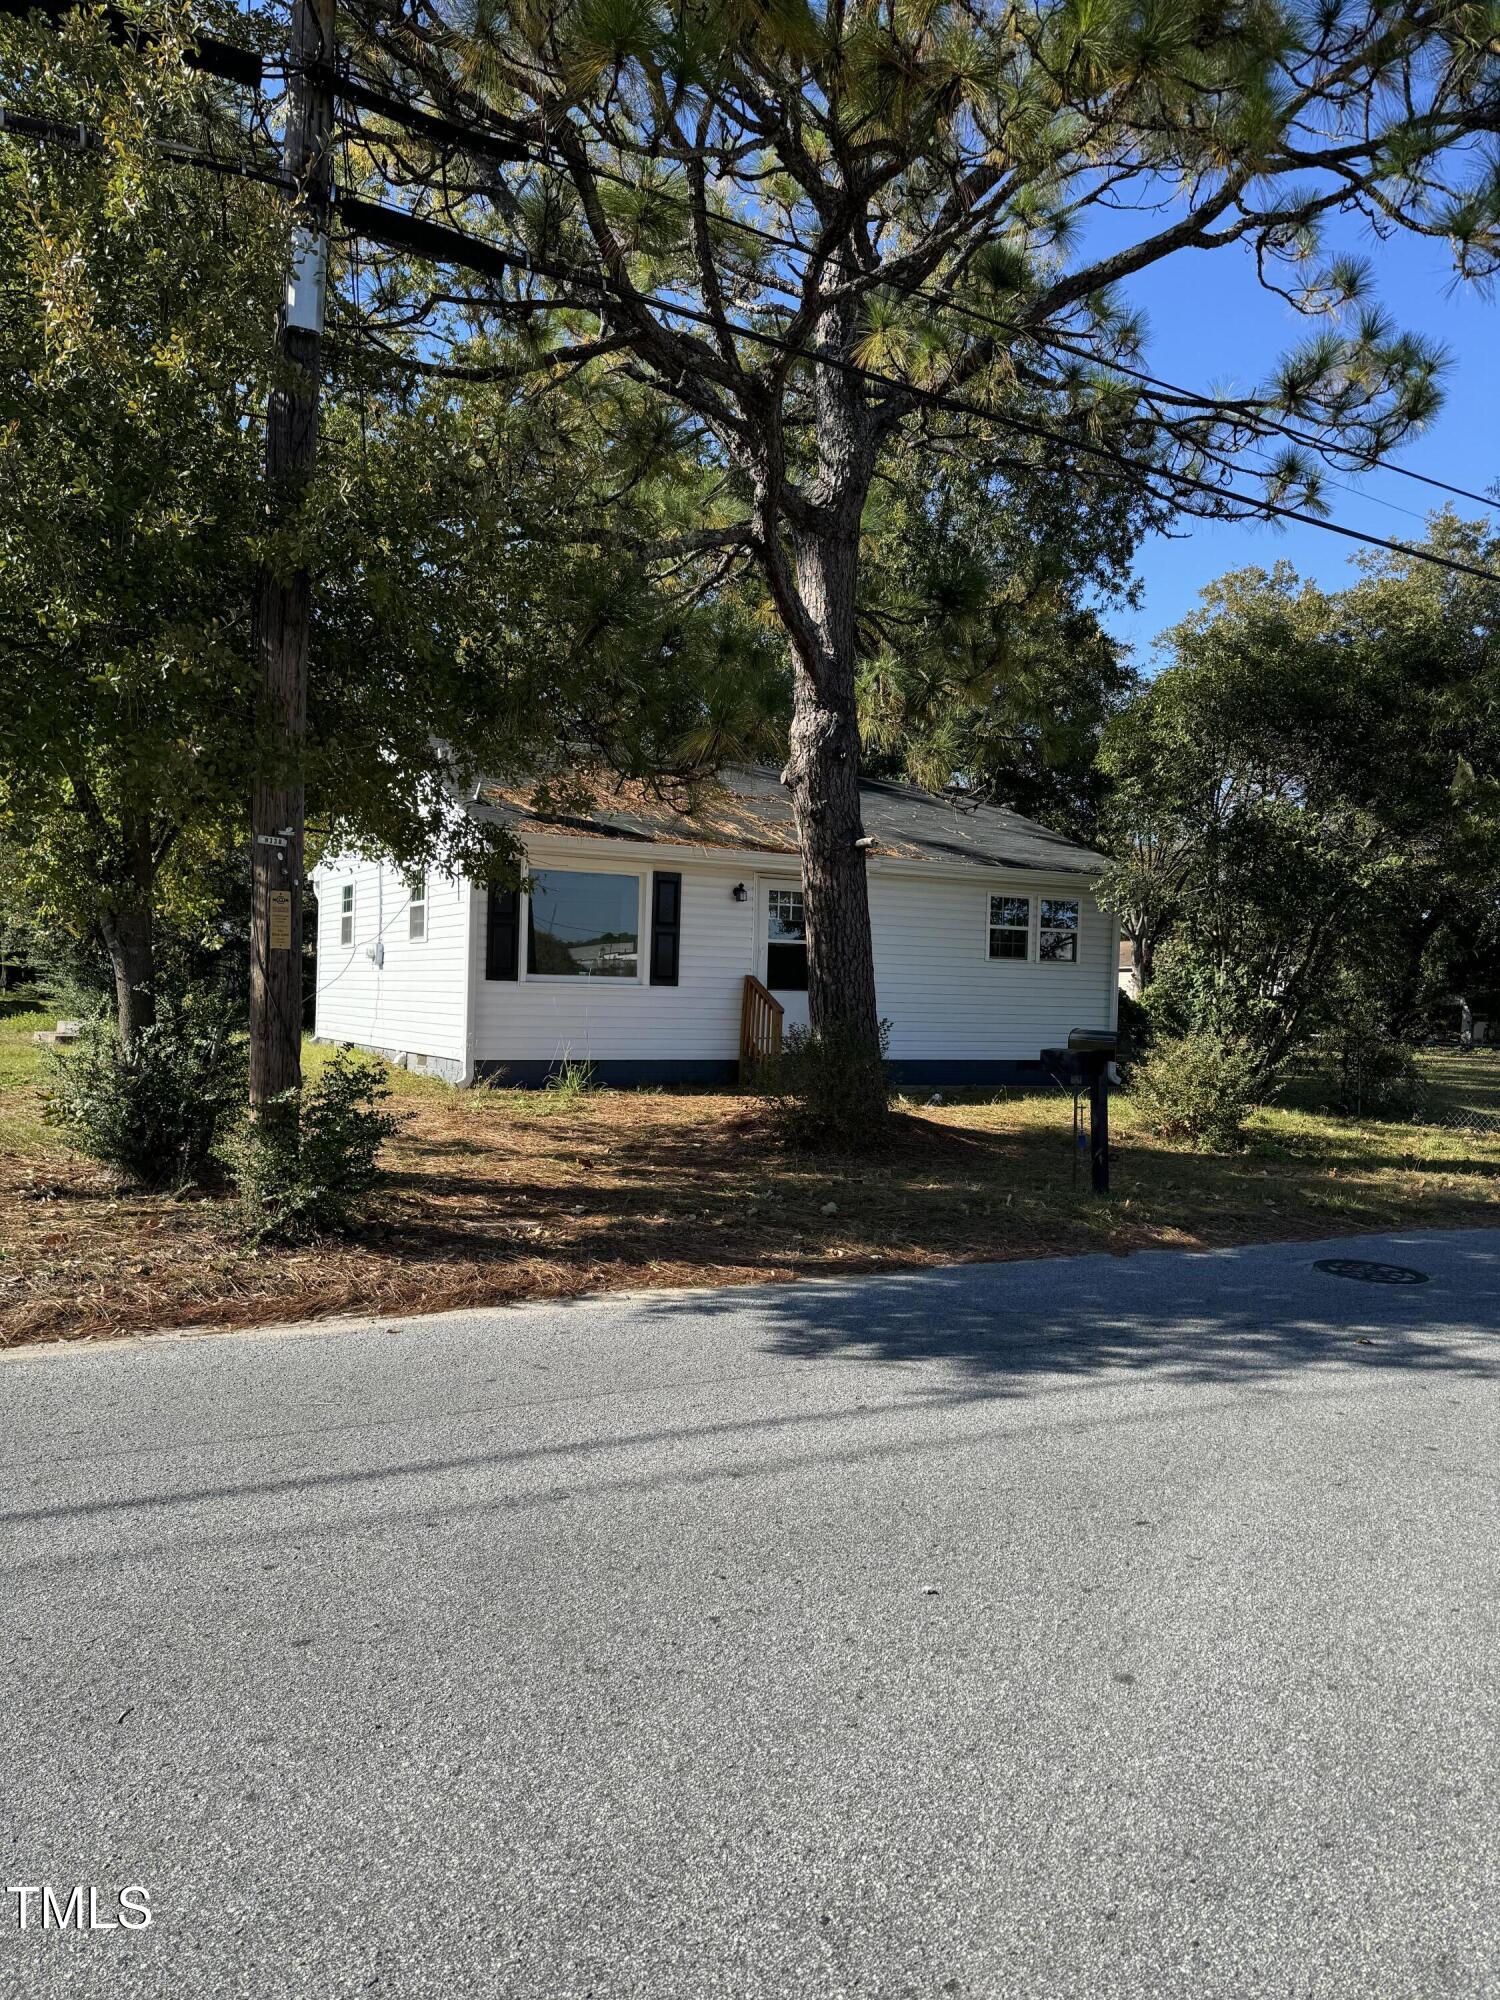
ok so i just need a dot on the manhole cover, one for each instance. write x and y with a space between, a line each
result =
1369 1273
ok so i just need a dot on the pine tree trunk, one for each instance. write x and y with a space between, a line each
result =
822 770
822 775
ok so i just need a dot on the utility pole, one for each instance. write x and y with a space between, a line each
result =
281 622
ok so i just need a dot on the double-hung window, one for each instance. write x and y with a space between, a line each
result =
346 914
1058 938
583 926
1010 926
416 907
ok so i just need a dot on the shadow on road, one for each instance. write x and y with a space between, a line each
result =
1222 1316
965 1336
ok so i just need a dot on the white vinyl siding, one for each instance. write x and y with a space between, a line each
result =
944 996
413 1000
946 999
532 1020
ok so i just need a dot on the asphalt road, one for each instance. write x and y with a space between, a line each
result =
1091 1627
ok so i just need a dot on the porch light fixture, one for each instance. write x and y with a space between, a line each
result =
740 893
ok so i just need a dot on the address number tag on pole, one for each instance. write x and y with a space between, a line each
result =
281 920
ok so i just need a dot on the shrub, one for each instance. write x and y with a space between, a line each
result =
1135 1027
307 1174
1199 1087
830 1088
1376 1076
154 1107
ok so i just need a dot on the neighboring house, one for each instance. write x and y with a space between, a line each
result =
647 934
1130 979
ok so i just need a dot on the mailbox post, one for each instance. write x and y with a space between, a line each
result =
1098 1075
1086 1061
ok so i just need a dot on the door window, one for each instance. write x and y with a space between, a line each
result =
786 941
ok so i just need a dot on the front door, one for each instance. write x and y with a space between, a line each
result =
783 946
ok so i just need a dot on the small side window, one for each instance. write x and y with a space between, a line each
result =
346 914
416 908
1058 943
1010 926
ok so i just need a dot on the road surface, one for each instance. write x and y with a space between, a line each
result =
1091 1627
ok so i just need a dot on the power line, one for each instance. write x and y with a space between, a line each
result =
470 139
937 399
439 243
445 244
228 60
205 52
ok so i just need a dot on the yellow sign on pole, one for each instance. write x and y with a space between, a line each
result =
281 920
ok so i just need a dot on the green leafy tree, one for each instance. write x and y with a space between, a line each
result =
467 618
1306 804
798 225
128 487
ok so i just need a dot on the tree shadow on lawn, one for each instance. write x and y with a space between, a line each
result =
725 1195
722 1177
629 1192
1249 1315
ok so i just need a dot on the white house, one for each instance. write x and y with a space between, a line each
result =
642 926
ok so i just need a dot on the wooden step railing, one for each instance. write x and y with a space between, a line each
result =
760 1027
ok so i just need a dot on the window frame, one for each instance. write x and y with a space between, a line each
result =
767 890
416 907
993 896
642 879
346 916
1073 930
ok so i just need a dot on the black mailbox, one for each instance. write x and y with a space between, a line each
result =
1092 1041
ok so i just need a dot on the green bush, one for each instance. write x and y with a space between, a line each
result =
1135 1027
829 1089
157 1106
307 1172
1198 1087
1376 1076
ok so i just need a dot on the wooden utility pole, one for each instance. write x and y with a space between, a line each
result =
282 613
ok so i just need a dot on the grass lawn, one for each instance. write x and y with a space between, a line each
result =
499 1196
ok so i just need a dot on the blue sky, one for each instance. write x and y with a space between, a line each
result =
1211 323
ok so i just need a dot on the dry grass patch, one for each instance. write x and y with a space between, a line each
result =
497 1196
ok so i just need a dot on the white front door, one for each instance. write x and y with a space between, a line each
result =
783 945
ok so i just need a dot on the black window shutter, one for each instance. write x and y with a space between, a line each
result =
666 927
502 935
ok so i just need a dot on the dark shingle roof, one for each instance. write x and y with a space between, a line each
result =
747 808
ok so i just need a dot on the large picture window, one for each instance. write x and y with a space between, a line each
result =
1010 926
1058 942
583 926
786 941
